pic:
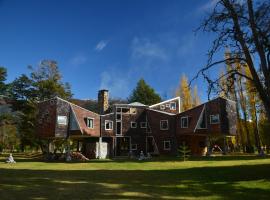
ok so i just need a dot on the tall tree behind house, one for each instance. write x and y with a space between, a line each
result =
185 92
44 82
244 27
144 94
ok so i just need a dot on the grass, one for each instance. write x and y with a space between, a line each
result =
224 177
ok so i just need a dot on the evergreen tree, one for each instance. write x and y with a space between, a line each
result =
184 151
144 94
3 75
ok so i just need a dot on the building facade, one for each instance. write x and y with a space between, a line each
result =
131 128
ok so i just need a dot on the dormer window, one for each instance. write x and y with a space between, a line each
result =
89 122
173 106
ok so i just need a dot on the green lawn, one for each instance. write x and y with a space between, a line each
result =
226 177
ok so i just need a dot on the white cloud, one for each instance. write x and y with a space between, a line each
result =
117 84
78 60
144 48
209 5
101 45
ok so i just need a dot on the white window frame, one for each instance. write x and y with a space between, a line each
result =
162 107
108 121
87 118
167 105
174 106
186 117
161 121
131 126
145 125
60 118
164 146
136 147
214 122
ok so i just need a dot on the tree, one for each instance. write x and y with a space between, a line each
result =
184 151
3 75
244 28
195 97
44 82
8 132
185 93
144 94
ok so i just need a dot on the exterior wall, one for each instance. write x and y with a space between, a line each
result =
107 133
159 135
166 105
213 107
196 138
228 117
62 109
46 122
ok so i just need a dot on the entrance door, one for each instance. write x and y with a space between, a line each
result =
150 144
122 146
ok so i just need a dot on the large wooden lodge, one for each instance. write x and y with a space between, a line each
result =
131 128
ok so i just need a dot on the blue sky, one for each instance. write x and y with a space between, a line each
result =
107 44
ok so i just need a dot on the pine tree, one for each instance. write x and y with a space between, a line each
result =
184 151
184 92
144 94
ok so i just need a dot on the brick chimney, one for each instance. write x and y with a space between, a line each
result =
103 101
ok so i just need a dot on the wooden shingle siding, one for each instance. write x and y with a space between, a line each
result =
46 119
160 136
194 135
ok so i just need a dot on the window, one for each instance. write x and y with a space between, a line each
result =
143 124
118 116
167 105
164 125
133 146
133 124
89 122
118 128
167 145
62 120
118 110
214 119
108 125
172 106
162 107
184 122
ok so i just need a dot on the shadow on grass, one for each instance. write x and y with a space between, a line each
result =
40 158
237 182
